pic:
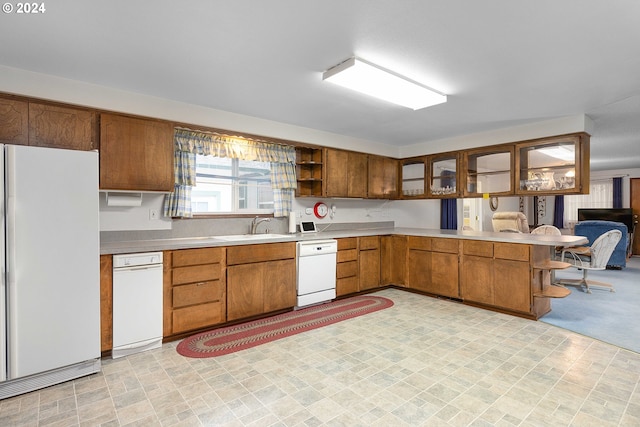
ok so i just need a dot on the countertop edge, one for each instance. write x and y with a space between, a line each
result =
134 246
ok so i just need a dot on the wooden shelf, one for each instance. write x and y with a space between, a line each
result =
553 291
501 172
552 265
309 172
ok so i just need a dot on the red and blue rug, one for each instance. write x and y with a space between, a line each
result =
246 335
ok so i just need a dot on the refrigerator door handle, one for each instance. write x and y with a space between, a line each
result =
10 257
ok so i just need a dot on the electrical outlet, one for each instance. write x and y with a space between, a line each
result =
153 214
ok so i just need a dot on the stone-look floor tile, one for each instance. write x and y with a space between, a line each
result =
97 411
423 362
135 412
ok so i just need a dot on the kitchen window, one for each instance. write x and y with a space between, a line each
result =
600 196
226 185
228 174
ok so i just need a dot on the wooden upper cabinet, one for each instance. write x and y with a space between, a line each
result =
336 172
62 127
443 172
557 165
383 178
412 180
345 173
488 171
357 175
135 154
14 122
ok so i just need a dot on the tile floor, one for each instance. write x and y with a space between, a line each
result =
421 362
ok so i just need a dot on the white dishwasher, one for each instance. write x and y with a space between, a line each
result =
316 271
137 303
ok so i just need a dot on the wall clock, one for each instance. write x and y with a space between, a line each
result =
493 203
320 210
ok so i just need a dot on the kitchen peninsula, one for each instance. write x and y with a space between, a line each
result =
504 272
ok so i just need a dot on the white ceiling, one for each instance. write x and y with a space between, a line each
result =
502 62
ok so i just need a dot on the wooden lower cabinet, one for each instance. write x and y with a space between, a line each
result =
476 279
347 266
369 262
260 279
497 274
512 287
393 260
106 302
433 265
195 289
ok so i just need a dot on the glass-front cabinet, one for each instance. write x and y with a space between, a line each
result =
553 165
443 175
488 171
413 178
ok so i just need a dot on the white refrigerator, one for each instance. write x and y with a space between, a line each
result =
50 296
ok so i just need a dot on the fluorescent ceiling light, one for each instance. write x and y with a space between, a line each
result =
560 152
368 78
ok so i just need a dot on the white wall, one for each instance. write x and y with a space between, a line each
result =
134 218
416 213
541 129
346 210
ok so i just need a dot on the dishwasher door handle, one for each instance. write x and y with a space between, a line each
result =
137 268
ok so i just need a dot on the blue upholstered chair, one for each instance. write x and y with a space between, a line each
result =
595 228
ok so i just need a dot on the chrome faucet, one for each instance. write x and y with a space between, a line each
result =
256 221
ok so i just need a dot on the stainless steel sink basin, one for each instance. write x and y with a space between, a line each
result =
242 237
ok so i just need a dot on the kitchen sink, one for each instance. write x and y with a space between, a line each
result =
242 237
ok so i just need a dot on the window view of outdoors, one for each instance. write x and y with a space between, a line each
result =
231 186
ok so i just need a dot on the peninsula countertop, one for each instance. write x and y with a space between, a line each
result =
149 245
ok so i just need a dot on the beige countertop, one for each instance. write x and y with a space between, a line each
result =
132 246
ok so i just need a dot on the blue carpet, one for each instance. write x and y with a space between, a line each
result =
612 317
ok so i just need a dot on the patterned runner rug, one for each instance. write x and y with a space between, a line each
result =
246 335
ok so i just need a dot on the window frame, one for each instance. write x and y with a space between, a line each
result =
236 181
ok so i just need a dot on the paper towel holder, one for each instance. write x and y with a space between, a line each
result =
123 199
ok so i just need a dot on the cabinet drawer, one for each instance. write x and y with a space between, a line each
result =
347 255
478 248
198 316
247 254
186 257
196 273
369 242
445 245
197 293
347 269
348 243
421 243
512 251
